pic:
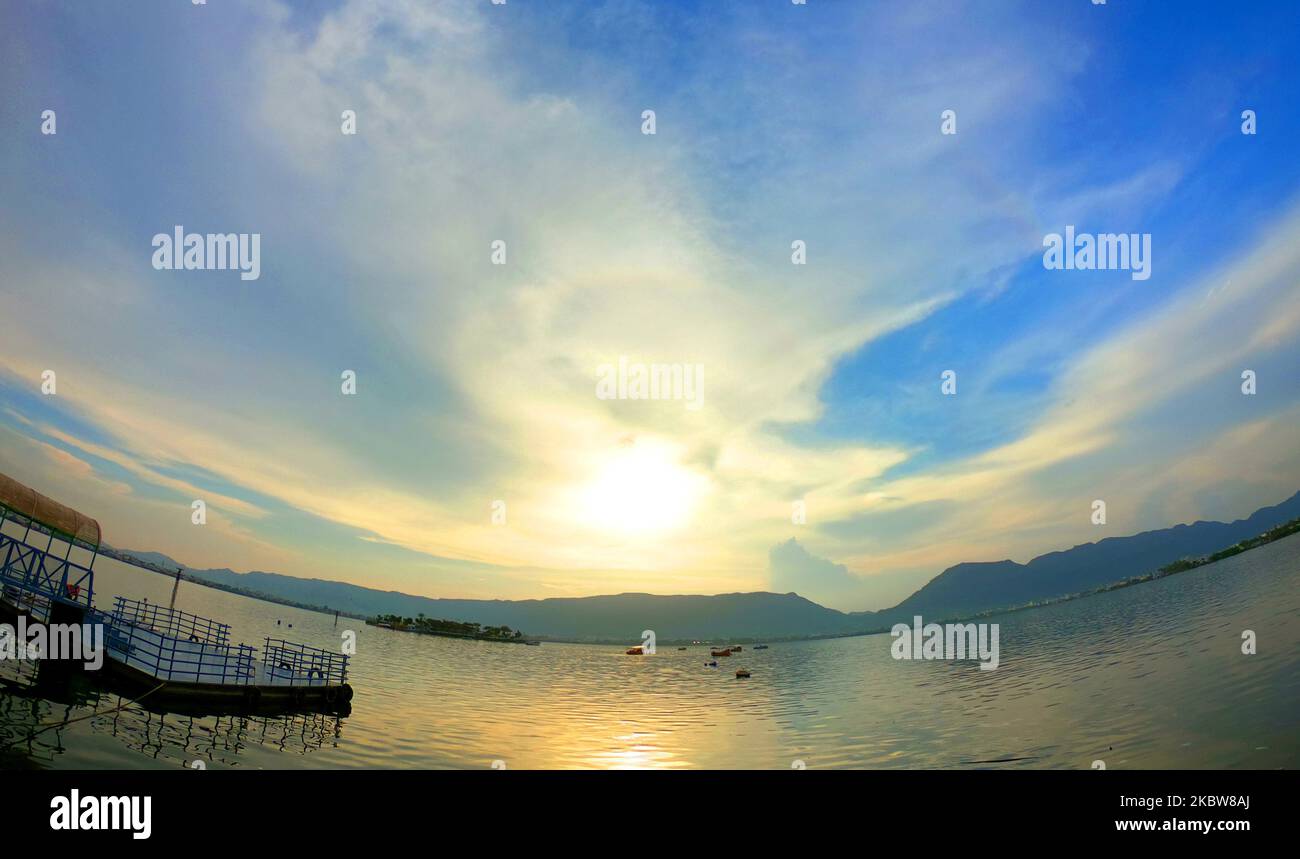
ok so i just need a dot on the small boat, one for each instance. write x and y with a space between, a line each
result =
635 651
720 653
681 648
713 664
533 643
760 647
742 673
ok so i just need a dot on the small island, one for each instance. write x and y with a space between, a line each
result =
447 628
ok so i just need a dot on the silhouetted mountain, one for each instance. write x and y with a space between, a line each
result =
969 588
622 617
619 617
961 590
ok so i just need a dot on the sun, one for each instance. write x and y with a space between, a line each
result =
641 489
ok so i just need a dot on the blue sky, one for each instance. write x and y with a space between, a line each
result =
522 122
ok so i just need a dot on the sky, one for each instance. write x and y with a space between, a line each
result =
477 457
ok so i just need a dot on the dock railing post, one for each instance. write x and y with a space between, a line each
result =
175 587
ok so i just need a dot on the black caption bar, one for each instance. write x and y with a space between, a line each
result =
403 808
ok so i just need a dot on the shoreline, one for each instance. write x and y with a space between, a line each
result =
132 561
1173 568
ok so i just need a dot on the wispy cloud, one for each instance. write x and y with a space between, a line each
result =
476 381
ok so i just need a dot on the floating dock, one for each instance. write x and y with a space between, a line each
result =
171 657
192 657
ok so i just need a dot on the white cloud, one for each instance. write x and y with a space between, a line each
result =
477 381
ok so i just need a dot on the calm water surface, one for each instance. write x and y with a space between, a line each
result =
1148 676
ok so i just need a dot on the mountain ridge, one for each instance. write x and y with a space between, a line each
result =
1085 566
964 589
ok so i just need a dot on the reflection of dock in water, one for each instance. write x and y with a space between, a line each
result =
38 708
217 740
32 700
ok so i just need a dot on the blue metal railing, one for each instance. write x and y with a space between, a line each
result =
190 659
166 643
170 621
300 665
27 568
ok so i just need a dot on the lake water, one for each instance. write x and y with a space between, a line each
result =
1150 676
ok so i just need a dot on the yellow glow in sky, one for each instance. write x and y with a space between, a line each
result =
640 489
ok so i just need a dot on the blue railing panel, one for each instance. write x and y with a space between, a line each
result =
289 663
168 657
171 621
31 569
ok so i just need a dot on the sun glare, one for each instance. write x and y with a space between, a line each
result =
640 490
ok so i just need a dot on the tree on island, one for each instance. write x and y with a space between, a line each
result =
455 628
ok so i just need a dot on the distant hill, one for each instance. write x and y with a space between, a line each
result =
970 588
158 559
961 590
618 617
